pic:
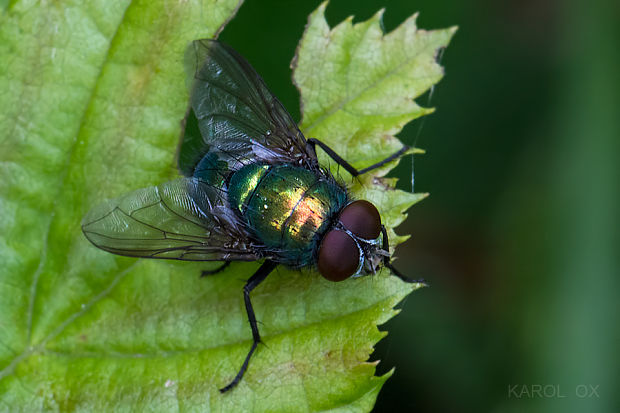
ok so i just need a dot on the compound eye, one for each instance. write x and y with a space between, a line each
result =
362 218
339 256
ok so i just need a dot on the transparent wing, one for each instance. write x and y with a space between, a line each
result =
233 113
183 219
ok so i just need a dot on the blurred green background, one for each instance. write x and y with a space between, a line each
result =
519 238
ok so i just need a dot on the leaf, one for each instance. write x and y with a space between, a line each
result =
93 97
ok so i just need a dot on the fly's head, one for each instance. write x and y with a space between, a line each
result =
353 246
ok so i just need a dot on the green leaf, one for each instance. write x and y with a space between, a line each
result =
93 95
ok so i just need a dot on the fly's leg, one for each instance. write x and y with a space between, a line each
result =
215 271
388 264
258 277
354 172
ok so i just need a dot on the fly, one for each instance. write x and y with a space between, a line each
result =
252 190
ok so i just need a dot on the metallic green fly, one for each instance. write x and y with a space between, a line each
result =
253 190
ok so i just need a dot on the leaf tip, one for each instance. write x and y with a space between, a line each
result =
414 19
321 9
378 18
419 285
387 375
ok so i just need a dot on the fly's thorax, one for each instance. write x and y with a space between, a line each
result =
287 208
243 184
312 215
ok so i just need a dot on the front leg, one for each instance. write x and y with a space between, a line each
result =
346 165
258 277
388 264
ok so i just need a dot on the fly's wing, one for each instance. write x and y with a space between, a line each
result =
183 219
233 114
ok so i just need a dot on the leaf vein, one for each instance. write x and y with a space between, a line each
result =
351 98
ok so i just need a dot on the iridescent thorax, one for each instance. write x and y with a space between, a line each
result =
287 208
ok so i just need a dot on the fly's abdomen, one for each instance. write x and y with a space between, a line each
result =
288 208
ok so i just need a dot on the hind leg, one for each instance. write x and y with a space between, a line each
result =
215 271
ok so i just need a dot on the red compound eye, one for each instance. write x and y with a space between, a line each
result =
339 256
362 219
